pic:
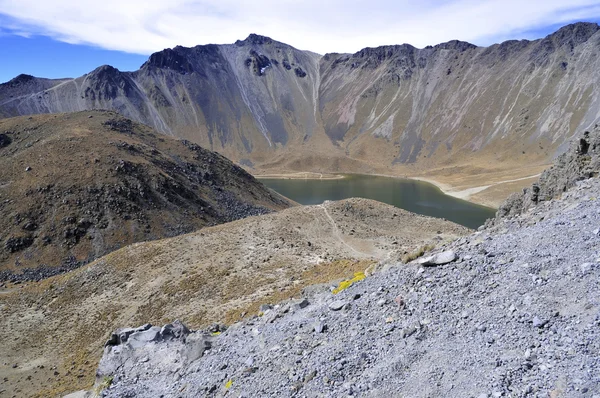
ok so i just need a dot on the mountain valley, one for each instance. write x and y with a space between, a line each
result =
461 115
121 209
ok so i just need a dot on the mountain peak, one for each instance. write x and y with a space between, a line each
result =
170 58
253 38
575 33
106 69
456 45
21 79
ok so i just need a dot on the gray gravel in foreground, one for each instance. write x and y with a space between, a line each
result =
516 315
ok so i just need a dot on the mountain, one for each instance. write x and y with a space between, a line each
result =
74 187
54 330
450 110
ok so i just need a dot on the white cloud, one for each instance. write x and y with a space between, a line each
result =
145 26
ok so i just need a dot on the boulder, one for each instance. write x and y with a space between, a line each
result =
337 305
439 258
175 330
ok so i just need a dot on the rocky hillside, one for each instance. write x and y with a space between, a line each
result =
452 109
74 187
53 331
511 311
580 162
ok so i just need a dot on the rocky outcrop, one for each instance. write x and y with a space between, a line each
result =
580 162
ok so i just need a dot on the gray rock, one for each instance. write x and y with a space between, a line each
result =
539 323
197 344
302 304
407 332
139 339
319 327
175 330
438 259
122 335
337 305
265 307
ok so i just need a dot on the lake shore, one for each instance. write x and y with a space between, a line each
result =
300 176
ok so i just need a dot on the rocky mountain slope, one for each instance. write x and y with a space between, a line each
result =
53 331
74 187
450 110
581 162
512 310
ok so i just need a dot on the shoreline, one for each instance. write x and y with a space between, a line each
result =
308 175
463 194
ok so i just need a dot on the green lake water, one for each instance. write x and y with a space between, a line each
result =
416 196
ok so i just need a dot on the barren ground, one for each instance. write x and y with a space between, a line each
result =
54 330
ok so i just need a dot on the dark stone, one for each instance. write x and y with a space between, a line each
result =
5 140
121 125
584 145
16 244
300 72
286 64
30 226
173 59
259 63
175 330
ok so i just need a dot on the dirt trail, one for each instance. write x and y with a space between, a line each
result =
216 274
340 237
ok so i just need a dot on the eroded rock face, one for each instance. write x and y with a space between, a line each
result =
580 162
266 102
173 59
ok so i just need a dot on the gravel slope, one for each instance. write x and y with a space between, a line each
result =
517 314
53 331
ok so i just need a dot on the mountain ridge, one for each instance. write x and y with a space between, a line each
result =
395 110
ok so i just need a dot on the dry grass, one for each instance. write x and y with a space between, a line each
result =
322 273
407 258
214 275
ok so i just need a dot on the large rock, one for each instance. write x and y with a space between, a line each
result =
439 258
165 348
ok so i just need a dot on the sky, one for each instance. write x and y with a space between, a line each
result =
67 38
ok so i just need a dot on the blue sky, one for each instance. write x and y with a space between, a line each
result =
45 57
67 38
